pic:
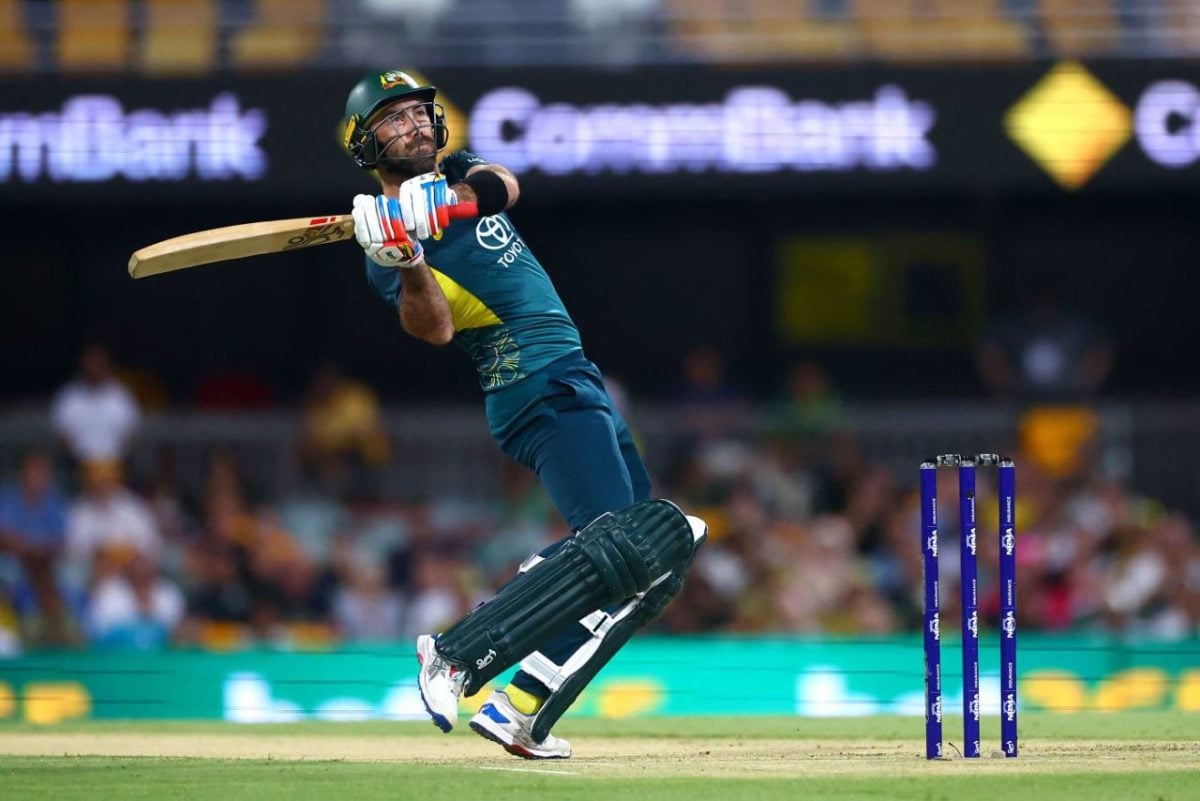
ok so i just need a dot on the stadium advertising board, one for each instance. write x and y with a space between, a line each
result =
814 677
1055 127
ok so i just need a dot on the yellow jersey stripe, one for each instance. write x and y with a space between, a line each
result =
467 310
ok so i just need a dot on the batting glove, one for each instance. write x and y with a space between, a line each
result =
425 202
379 228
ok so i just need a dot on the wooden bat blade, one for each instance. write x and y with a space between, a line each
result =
238 242
254 239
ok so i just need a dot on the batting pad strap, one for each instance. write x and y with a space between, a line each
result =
568 682
598 623
612 559
553 675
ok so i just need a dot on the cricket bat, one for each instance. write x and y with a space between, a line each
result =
251 239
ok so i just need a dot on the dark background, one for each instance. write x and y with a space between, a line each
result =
649 266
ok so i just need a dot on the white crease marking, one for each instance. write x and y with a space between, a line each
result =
531 770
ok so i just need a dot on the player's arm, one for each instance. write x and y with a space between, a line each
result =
424 311
492 187
379 228
425 200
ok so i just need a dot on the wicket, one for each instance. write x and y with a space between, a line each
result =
969 572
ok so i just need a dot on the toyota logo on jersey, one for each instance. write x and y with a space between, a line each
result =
494 233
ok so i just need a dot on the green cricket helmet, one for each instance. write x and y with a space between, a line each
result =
371 94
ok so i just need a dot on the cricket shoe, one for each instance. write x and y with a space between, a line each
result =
441 683
499 721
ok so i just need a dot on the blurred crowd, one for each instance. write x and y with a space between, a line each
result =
808 534
294 33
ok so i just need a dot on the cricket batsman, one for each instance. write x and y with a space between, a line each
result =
574 604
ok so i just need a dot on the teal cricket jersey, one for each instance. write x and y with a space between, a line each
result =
507 315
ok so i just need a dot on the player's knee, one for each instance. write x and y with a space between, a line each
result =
632 547
624 550
613 552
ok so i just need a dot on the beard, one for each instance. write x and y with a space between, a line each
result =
409 167
420 157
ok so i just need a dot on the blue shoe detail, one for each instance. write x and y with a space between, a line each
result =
493 713
438 720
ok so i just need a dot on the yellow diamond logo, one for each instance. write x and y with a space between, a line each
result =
1070 124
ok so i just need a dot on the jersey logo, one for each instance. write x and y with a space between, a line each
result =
494 233
497 359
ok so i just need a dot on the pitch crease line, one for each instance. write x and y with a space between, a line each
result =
531 770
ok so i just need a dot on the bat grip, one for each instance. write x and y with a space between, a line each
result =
463 211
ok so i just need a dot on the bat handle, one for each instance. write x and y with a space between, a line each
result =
463 211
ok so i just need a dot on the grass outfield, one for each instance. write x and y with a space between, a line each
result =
1090 757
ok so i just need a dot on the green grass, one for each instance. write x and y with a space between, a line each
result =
1083 757
97 778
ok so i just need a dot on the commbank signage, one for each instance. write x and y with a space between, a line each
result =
1053 127
94 138
748 129
1072 124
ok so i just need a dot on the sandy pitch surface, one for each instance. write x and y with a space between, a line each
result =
626 756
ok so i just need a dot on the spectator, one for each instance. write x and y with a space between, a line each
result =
616 30
33 516
1136 576
1046 355
253 570
217 593
419 17
345 443
366 608
813 574
811 407
873 497
95 415
705 383
108 525
164 497
134 607
437 595
287 586
842 466
522 522
10 640
1179 617
726 568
